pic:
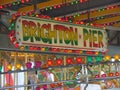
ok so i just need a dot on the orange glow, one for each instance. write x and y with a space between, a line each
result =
111 74
49 62
116 57
9 67
107 58
18 66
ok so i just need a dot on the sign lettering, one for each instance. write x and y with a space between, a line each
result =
41 32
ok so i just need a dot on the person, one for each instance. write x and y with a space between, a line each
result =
109 84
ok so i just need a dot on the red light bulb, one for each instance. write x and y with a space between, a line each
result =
23 13
79 60
27 0
91 24
4 6
86 0
55 7
59 19
13 39
66 50
81 1
9 4
59 62
22 1
49 62
111 74
31 48
1 7
37 88
117 74
108 8
52 85
97 76
28 65
16 45
69 60
103 75
59 84
12 32
59 6
34 48
17 14
112 7
37 64
81 23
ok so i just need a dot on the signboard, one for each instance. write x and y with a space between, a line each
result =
40 32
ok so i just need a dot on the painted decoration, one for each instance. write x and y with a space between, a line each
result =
30 31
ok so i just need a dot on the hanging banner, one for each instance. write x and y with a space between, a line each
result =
40 32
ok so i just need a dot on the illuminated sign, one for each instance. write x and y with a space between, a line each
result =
40 32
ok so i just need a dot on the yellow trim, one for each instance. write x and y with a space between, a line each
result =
107 20
42 5
117 25
2 2
97 14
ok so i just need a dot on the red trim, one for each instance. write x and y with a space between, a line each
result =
69 47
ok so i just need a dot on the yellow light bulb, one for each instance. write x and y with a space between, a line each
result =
18 66
9 67
22 48
37 15
70 51
116 57
107 58
43 49
10 20
81 52
96 53
55 18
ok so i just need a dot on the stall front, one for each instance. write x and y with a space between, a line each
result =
47 54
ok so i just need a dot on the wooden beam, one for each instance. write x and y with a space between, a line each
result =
117 25
97 14
2 2
42 5
75 8
107 20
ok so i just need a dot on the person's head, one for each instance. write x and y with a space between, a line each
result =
108 83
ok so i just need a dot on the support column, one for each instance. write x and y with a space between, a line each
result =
25 74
